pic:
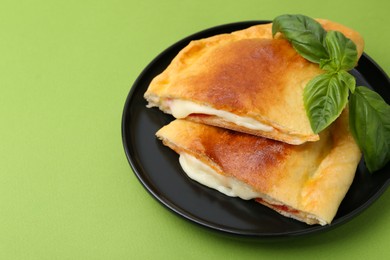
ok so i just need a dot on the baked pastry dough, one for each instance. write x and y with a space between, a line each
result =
245 81
305 182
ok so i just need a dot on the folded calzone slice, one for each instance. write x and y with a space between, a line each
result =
245 81
305 182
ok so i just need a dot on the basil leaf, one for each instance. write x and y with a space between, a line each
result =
369 120
325 96
305 34
342 52
348 80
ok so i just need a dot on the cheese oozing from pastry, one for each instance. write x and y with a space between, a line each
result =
182 108
205 175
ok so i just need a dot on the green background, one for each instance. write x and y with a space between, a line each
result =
66 188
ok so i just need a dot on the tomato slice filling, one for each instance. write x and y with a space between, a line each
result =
283 208
198 115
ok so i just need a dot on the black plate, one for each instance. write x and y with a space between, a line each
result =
158 169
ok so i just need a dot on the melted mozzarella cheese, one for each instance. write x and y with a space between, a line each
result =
181 109
205 175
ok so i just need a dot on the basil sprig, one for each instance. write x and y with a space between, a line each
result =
306 35
369 121
342 52
326 95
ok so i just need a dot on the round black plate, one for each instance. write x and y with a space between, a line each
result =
158 169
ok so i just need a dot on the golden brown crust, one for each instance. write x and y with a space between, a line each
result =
312 178
247 73
255 160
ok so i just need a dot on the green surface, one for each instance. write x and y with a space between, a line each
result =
66 188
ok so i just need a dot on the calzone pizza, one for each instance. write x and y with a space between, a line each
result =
305 182
246 81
